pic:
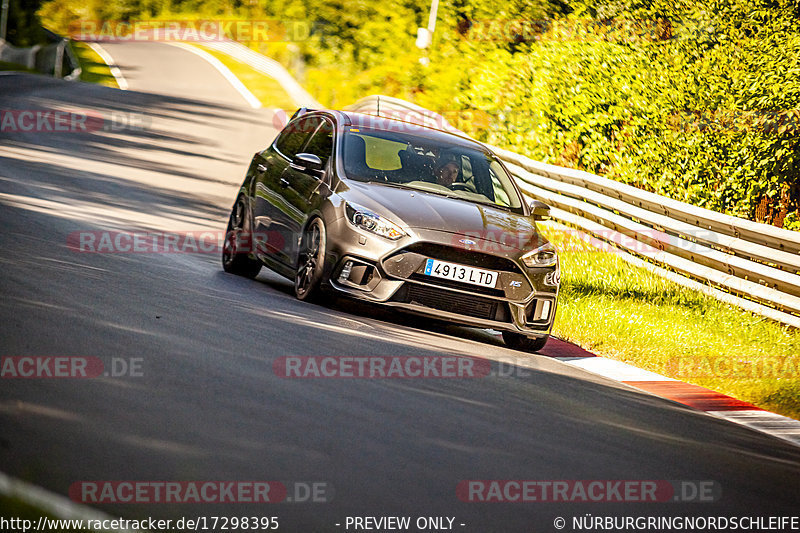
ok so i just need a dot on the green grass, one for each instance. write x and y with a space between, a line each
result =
624 312
11 507
6 66
93 68
268 91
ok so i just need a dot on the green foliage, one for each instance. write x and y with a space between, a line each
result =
23 27
93 68
702 105
696 100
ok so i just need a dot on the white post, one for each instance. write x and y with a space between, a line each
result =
59 58
4 20
425 35
32 56
432 17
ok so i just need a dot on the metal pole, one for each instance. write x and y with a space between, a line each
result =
4 20
59 64
431 18
425 35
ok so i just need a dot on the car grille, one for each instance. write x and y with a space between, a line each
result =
464 257
453 302
444 282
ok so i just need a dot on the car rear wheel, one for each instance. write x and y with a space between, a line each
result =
311 263
522 343
235 253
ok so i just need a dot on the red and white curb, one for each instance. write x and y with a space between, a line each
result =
700 398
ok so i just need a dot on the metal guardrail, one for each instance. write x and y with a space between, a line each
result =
756 265
48 59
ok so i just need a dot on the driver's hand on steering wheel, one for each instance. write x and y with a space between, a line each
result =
461 186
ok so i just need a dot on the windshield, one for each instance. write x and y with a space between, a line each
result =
431 165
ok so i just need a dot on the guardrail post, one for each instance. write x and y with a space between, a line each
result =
32 56
58 67
4 20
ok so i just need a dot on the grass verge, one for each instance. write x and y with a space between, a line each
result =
93 68
624 312
268 91
6 66
14 508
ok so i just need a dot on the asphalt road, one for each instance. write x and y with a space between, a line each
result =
210 407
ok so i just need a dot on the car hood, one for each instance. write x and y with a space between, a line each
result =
416 209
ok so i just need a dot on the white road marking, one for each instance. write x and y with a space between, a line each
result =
773 424
115 71
254 102
779 426
267 66
616 370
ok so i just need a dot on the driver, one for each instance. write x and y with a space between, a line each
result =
447 173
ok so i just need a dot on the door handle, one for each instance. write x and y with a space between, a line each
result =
284 182
261 167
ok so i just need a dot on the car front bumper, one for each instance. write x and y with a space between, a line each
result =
368 267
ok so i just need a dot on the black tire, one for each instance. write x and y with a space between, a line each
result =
236 248
311 262
517 341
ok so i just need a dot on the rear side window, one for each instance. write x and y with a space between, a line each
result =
295 134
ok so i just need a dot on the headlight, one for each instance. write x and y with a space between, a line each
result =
367 220
543 256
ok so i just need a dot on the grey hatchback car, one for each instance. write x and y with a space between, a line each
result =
398 214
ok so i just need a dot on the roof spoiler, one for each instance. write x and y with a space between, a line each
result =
301 111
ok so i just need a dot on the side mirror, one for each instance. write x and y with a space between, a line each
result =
308 163
540 210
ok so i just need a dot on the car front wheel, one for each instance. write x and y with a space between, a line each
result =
311 263
522 343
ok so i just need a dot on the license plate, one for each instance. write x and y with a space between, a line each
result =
467 274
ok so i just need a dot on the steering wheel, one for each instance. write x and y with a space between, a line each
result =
459 186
